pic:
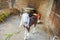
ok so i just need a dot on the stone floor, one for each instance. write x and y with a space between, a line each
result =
10 30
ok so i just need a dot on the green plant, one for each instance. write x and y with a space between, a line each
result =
4 15
7 12
8 36
2 18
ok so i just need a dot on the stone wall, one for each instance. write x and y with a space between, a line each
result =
13 3
55 17
21 4
4 4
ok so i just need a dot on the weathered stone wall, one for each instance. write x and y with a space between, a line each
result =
21 3
13 3
55 17
4 4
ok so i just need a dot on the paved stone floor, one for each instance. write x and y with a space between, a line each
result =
10 30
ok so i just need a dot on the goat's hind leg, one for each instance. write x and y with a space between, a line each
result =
27 33
34 29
